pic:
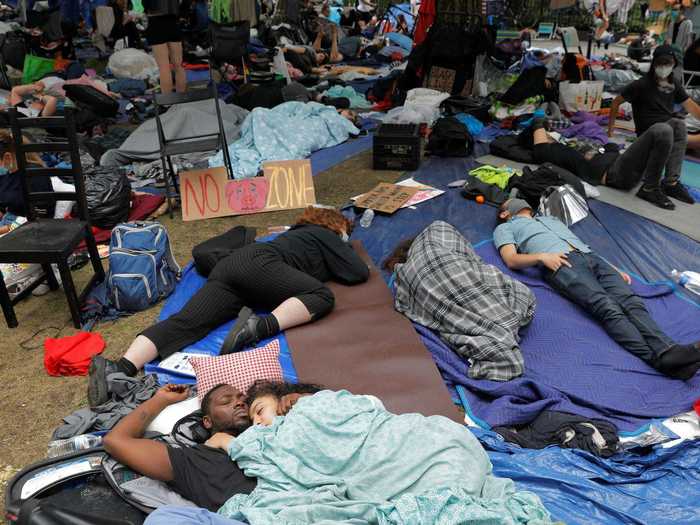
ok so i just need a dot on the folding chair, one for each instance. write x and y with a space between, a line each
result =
545 30
688 77
48 241
194 144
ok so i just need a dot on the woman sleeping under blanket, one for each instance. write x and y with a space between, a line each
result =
338 457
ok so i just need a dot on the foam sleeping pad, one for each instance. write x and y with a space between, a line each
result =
367 347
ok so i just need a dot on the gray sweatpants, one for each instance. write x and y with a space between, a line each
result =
660 147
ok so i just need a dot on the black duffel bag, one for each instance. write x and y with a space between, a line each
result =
108 195
14 48
450 138
92 98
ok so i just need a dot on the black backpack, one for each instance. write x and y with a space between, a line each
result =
206 254
450 138
14 48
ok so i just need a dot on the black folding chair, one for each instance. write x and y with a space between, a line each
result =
194 144
42 240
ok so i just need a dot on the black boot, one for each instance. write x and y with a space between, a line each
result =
679 362
244 333
100 368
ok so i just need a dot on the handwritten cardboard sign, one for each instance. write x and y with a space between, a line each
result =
385 197
209 193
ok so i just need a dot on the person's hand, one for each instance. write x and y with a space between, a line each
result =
285 404
554 261
625 277
547 83
219 440
172 394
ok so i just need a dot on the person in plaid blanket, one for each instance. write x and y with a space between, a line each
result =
441 283
576 272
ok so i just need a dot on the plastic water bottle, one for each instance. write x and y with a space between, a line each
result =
61 447
367 218
688 280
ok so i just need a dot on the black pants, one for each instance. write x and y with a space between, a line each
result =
255 276
128 31
597 287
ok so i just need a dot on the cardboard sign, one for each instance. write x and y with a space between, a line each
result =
209 193
385 197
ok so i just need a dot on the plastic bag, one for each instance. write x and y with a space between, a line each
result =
582 96
108 195
133 63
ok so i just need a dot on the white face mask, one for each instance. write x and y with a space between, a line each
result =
663 71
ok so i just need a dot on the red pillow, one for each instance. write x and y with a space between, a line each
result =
240 369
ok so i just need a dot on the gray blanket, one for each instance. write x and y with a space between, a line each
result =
181 121
126 393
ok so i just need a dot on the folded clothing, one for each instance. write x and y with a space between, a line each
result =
565 430
70 356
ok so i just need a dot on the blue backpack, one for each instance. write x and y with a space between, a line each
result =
142 269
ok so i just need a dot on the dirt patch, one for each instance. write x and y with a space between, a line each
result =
33 403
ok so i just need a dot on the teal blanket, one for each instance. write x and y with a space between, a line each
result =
290 131
341 458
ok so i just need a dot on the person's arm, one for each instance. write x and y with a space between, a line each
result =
318 40
50 104
220 440
343 262
518 261
336 56
614 108
125 441
19 93
692 107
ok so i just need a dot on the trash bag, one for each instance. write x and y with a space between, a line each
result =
108 195
133 63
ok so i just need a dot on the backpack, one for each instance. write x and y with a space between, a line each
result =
450 138
564 203
142 269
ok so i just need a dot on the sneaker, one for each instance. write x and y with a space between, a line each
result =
242 334
98 391
678 191
656 197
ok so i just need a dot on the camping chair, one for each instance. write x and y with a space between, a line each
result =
194 144
545 30
688 77
48 241
4 79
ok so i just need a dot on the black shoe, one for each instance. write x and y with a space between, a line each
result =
685 372
100 368
679 192
656 197
680 361
243 333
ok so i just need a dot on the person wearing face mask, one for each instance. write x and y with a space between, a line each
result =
658 127
285 275
571 268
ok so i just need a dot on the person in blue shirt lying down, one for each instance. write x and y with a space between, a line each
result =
576 272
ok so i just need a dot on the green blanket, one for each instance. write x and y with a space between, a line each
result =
341 458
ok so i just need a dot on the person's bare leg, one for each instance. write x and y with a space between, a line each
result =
175 52
291 312
539 136
162 56
141 351
694 141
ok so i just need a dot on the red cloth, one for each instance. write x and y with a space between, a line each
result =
696 407
426 17
70 356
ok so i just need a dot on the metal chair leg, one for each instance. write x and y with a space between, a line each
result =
71 295
50 277
6 304
167 187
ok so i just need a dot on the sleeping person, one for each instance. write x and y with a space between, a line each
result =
477 310
285 275
336 457
576 272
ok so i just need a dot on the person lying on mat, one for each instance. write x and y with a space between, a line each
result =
658 126
269 399
576 272
285 275
201 474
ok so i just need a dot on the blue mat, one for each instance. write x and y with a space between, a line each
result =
579 488
325 159
572 365
189 284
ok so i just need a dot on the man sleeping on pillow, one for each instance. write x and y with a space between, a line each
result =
342 458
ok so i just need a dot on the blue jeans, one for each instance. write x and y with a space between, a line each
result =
169 515
598 288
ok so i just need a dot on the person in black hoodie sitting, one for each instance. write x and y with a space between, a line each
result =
285 275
